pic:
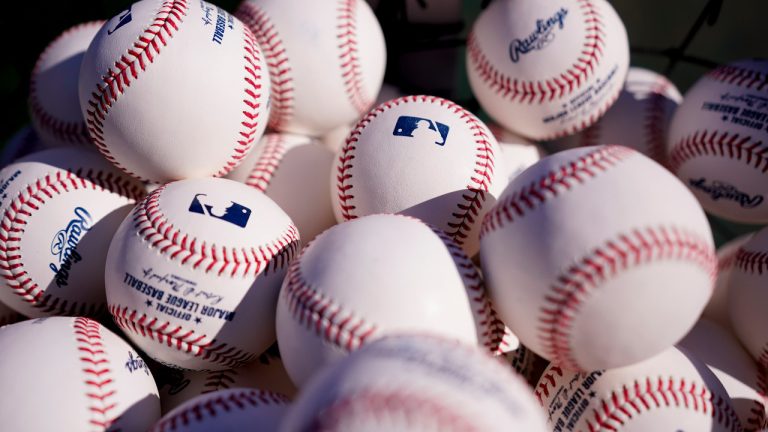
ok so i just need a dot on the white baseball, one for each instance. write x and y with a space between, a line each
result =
717 141
22 143
748 298
53 98
672 391
226 410
174 89
193 273
547 69
421 156
717 308
326 60
745 383
73 374
374 276
59 209
293 170
518 153
639 119
583 244
416 383
266 373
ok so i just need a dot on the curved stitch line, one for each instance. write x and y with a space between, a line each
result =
655 124
644 396
755 262
94 363
349 56
551 185
268 162
16 217
546 384
549 89
757 419
471 205
278 61
154 228
585 122
740 76
721 144
217 406
67 131
573 287
219 380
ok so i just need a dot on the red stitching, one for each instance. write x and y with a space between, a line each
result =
272 153
221 405
551 185
13 225
386 407
187 341
640 247
547 383
101 388
655 124
722 144
155 228
349 57
68 132
646 395
758 419
551 88
740 76
127 68
751 261
280 70
219 380
478 184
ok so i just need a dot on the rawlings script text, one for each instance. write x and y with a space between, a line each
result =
539 38
719 190
64 246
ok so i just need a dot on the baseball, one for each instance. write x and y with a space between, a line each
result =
672 391
744 381
59 208
54 103
627 233
717 308
421 156
639 119
162 66
193 273
716 141
293 170
226 410
326 63
416 383
73 374
374 276
747 296
547 69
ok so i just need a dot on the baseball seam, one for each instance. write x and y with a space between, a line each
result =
13 225
740 76
101 389
573 287
547 383
551 185
219 380
278 61
349 56
757 419
751 261
655 125
549 89
66 131
722 144
268 162
214 407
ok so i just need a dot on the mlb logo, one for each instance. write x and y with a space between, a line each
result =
422 128
232 212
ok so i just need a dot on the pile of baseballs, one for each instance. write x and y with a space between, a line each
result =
222 221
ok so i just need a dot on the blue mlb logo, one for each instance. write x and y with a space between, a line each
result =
419 127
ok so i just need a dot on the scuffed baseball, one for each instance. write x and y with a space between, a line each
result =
744 381
717 308
374 276
421 156
717 141
226 410
54 103
174 89
547 69
73 374
583 244
193 273
293 170
672 391
326 60
60 209
416 383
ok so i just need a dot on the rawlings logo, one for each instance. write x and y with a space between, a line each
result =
135 363
539 38
64 245
718 190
